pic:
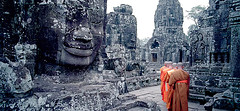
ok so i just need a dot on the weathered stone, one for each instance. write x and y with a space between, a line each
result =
79 96
235 38
15 79
201 45
137 105
75 84
224 103
214 52
122 29
127 9
227 100
168 42
115 51
237 100
228 94
66 28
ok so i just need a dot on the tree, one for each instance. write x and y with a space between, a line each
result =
192 28
195 13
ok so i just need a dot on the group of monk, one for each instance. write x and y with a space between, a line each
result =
174 86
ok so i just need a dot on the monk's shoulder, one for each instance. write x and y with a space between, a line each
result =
176 72
165 69
183 72
171 71
162 68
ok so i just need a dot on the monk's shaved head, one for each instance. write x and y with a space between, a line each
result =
174 65
180 65
167 63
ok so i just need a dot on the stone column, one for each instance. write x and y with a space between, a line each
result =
226 58
212 58
235 38
219 58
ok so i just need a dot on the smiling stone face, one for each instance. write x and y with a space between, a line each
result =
78 28
84 32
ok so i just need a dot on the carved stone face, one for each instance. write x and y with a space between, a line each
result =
78 26
84 33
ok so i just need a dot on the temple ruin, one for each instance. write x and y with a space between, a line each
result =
73 55
168 42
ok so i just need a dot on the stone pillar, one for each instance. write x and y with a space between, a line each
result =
226 58
214 58
219 58
235 38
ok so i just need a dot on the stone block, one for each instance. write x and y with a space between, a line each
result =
15 80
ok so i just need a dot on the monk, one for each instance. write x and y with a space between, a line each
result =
163 67
166 64
179 89
165 78
161 70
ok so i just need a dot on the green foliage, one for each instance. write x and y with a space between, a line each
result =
195 13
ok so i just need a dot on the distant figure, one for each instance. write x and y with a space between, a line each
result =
120 67
179 89
164 70
122 86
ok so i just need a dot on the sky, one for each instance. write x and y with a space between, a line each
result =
144 11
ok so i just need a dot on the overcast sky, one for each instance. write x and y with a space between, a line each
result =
144 11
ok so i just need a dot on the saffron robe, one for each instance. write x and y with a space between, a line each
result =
165 87
179 91
161 78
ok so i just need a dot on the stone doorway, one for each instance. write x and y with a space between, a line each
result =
154 57
180 55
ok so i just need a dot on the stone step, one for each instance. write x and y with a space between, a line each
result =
137 105
127 97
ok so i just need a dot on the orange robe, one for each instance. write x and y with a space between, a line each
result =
165 87
161 78
162 75
162 68
179 91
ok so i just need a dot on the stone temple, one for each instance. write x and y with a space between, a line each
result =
168 43
72 55
55 56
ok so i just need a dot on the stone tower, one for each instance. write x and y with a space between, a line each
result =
167 43
168 17
122 29
235 38
221 32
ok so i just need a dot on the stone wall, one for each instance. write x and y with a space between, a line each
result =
235 37
214 28
217 37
